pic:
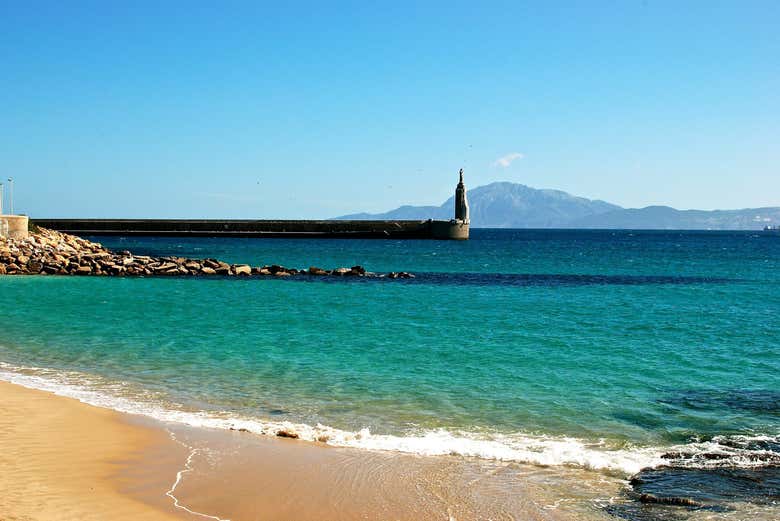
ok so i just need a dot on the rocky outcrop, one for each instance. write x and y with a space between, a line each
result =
47 252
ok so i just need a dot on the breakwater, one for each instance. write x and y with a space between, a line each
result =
425 229
48 252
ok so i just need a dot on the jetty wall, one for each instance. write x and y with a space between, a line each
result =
248 228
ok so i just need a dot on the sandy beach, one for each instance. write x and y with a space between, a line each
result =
63 460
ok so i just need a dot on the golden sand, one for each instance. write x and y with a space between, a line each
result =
62 460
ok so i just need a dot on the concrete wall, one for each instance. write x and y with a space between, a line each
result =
454 229
240 228
451 230
14 226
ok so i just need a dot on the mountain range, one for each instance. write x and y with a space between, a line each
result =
513 205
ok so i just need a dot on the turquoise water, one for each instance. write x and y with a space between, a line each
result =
596 348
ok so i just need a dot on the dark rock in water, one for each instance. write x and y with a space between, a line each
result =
314 270
669 493
642 512
677 501
712 486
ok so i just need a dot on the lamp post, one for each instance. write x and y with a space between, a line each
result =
11 195
1 198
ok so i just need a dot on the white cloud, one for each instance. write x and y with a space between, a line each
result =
506 160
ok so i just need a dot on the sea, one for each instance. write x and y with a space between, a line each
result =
648 356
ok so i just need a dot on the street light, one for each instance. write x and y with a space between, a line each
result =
1 198
11 195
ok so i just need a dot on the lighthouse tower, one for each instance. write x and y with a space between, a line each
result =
461 203
457 228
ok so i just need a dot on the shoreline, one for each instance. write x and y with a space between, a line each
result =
523 449
66 459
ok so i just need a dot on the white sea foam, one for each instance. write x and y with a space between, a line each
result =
518 447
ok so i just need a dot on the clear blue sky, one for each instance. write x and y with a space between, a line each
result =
225 109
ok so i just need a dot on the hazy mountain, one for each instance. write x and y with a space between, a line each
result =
664 217
505 205
511 205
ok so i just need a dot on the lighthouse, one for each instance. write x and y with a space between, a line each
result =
461 203
456 228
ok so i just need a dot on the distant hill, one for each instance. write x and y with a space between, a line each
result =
512 205
505 205
667 218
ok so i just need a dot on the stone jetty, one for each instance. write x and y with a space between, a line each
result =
48 252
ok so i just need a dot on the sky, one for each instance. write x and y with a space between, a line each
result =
251 110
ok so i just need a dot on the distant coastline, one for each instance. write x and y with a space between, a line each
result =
513 205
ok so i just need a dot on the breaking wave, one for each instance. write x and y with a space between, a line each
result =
717 452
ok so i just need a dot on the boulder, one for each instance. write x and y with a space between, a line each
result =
243 269
314 270
166 266
207 270
274 268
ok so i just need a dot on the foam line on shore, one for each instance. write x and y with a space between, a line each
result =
518 447
179 475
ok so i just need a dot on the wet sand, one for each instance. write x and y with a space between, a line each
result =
240 476
63 459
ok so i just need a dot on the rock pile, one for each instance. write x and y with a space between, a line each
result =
47 252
